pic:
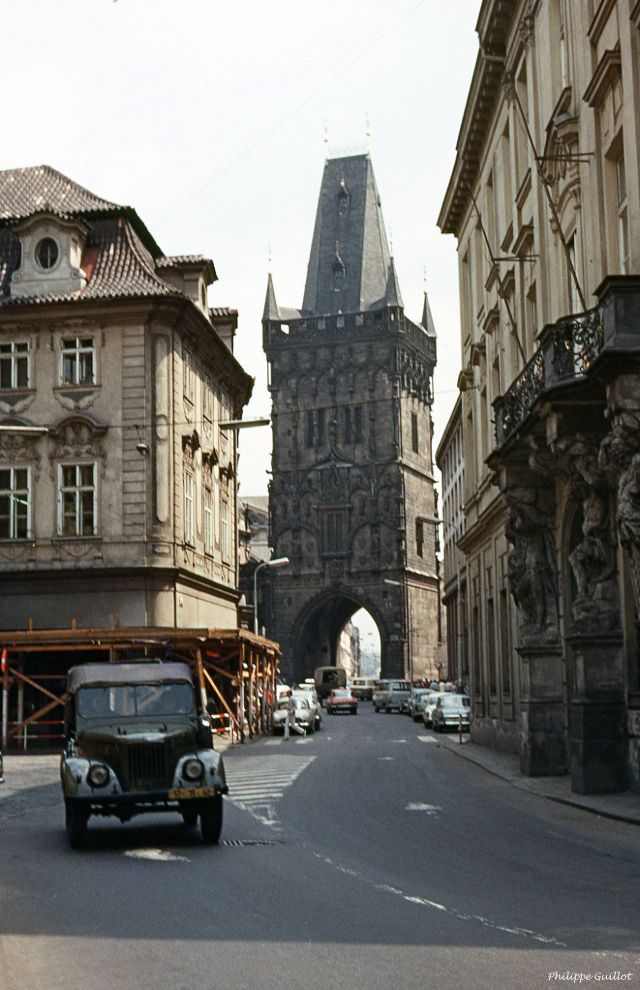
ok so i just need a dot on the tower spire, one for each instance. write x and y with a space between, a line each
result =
270 311
393 296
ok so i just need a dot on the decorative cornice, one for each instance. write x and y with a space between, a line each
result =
607 71
600 19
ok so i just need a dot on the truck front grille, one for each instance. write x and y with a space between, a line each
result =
147 767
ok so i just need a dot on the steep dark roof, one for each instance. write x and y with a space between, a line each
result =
349 260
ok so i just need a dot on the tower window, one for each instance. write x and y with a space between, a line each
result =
348 433
334 532
419 538
310 433
357 422
414 433
321 428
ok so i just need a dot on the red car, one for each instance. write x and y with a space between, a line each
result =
341 700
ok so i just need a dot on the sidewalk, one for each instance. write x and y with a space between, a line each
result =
624 807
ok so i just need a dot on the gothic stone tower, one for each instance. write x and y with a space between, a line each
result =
352 495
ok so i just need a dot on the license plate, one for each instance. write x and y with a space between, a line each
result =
184 793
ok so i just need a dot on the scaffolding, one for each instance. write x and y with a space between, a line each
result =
235 672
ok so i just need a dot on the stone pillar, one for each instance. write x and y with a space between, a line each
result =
596 719
533 584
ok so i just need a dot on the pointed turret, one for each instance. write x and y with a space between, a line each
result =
271 311
393 296
427 318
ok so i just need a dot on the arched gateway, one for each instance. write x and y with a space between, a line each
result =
352 501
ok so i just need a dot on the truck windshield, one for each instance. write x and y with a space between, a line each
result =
135 699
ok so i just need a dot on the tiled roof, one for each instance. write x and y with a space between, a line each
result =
118 262
181 260
120 257
222 311
25 191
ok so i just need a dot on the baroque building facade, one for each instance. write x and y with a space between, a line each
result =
543 200
450 461
351 387
117 481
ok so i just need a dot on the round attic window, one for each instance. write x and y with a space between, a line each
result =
47 253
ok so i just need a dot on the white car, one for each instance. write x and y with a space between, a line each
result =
309 693
430 702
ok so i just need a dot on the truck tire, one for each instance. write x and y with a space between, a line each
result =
76 820
211 819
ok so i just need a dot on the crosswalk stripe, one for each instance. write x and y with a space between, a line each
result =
256 783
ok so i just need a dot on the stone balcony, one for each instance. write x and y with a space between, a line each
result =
570 348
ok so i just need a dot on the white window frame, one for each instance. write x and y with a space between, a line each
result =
78 489
14 494
209 520
9 354
189 508
188 377
76 347
224 530
207 401
622 207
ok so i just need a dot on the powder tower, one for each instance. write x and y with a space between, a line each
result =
352 500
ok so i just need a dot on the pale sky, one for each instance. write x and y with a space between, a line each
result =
208 118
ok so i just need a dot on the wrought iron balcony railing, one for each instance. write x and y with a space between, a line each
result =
567 351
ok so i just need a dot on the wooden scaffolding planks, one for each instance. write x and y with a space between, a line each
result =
233 668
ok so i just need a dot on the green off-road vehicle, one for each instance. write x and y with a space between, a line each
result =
135 742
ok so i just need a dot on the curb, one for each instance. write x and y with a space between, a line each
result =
521 784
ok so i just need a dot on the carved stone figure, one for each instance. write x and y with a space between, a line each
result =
593 559
620 455
532 571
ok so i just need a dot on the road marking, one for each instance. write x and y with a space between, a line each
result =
156 855
427 739
386 757
525 933
429 808
256 783
398 740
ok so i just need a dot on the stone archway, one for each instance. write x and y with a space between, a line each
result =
318 625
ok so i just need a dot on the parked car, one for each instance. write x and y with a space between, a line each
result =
416 702
136 742
362 688
452 711
429 704
303 714
307 689
390 695
341 700
279 716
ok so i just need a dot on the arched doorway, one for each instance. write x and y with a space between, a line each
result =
318 627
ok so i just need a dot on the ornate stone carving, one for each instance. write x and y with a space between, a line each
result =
593 559
531 566
620 456
77 437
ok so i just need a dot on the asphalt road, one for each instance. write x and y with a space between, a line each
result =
365 856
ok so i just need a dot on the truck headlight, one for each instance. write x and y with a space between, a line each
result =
98 775
192 769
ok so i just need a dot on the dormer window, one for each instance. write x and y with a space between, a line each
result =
47 253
